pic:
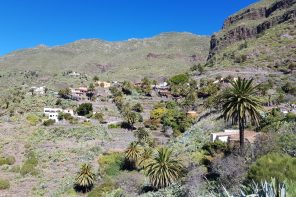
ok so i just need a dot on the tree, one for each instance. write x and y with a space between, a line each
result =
96 78
64 93
273 165
142 135
138 107
133 154
163 170
200 69
127 87
239 104
84 109
91 91
146 157
131 118
85 179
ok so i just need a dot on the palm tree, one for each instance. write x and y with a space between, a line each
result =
163 170
132 154
240 104
85 179
146 157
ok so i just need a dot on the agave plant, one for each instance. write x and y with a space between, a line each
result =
163 170
263 189
85 179
133 153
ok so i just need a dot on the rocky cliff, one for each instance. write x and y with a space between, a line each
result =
252 21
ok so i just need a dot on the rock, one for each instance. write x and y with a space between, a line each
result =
250 23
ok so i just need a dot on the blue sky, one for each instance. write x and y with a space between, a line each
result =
27 23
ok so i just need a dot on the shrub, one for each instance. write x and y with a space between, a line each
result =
230 170
111 164
138 107
4 184
106 187
286 143
99 117
32 119
179 79
48 122
274 165
29 165
114 126
216 147
84 109
10 160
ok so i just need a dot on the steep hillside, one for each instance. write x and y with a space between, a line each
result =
253 21
173 52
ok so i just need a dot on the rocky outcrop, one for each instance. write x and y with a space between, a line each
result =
250 22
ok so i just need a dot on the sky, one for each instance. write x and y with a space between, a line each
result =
28 23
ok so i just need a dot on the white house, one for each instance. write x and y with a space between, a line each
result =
53 113
38 90
233 135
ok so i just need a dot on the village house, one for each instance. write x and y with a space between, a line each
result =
192 114
74 74
53 113
103 84
78 93
38 90
233 135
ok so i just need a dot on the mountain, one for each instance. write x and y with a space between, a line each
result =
162 55
261 35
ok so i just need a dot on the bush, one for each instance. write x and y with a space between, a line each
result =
216 147
48 122
99 117
179 79
106 187
286 143
84 109
230 170
138 107
114 126
279 166
4 184
10 160
111 164
29 165
32 119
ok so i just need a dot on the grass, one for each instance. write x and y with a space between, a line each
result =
111 164
29 166
4 184
10 160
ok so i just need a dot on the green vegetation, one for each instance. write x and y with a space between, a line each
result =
30 164
48 122
85 179
64 93
110 164
84 109
10 160
33 119
274 165
4 184
239 103
179 79
133 154
164 170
